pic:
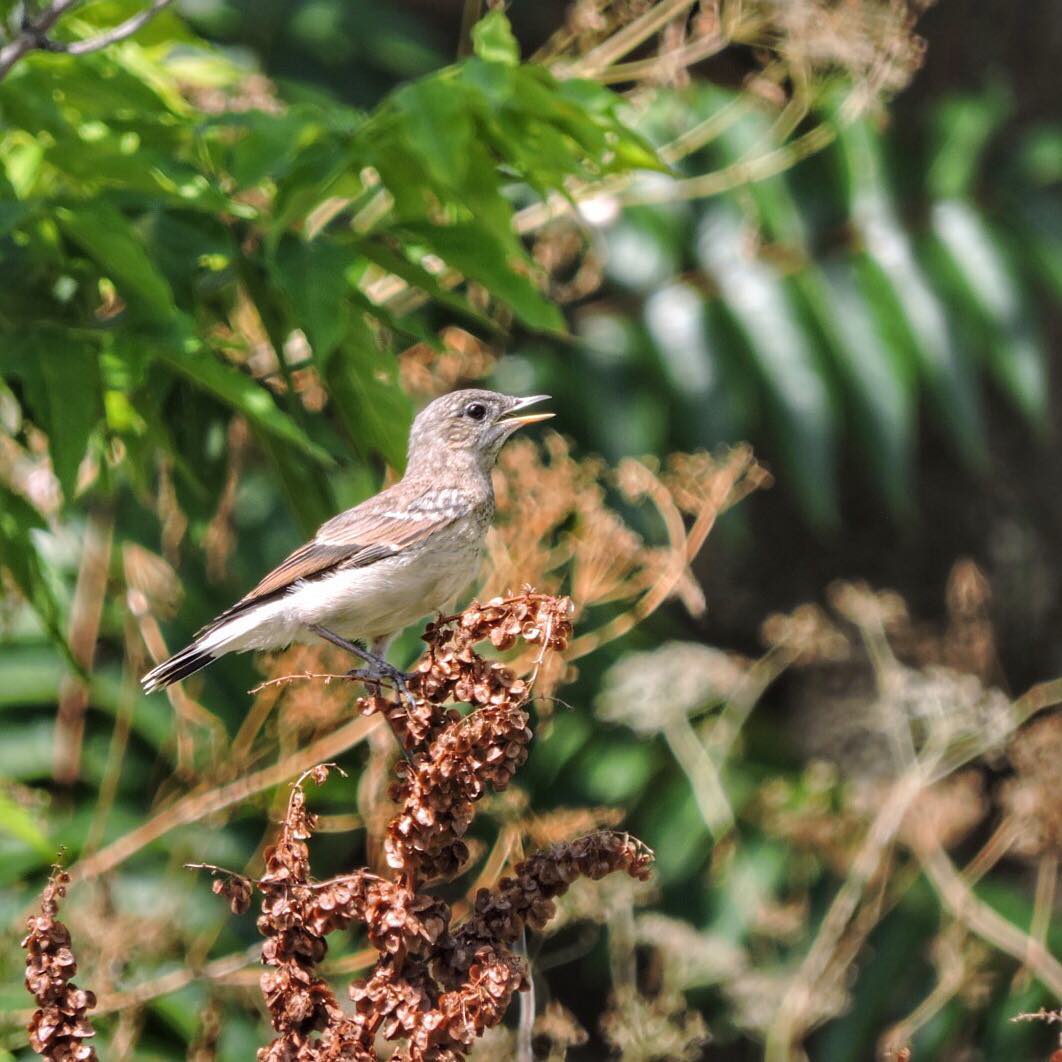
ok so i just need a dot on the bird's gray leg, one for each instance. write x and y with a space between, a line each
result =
377 670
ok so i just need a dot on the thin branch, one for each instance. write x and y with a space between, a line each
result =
703 775
299 676
1044 898
947 987
219 969
85 613
117 33
986 922
33 35
196 806
787 1027
625 41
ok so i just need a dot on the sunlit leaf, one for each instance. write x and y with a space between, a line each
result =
61 374
1016 352
17 821
104 234
470 250
783 354
19 555
493 40
242 393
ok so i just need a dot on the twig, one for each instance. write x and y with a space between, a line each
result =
1043 1014
1030 703
168 983
948 984
684 547
85 613
986 922
283 680
196 806
879 839
339 879
625 41
123 720
702 773
994 849
115 34
34 33
1044 900
739 705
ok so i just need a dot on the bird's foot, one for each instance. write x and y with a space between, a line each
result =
378 673
375 672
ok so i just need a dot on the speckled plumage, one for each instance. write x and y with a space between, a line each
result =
372 570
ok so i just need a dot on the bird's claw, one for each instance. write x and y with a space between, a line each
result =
376 671
376 675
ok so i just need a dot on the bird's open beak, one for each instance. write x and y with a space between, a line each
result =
509 420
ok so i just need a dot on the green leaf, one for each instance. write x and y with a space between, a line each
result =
242 393
440 126
61 374
269 143
307 489
105 235
394 261
880 385
18 554
1041 238
493 40
962 128
900 290
17 822
785 356
314 276
363 385
991 292
476 254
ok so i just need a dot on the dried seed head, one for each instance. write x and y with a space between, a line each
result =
60 1024
436 989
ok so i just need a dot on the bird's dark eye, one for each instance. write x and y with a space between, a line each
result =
476 410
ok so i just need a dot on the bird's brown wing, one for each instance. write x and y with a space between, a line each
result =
380 527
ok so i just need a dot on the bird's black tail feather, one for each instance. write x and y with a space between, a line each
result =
179 666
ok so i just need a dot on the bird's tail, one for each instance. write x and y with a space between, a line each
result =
188 661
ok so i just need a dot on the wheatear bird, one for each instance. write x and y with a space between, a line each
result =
375 569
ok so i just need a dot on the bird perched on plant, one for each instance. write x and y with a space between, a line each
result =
374 569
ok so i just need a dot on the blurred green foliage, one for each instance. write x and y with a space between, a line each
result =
827 310
151 193
134 225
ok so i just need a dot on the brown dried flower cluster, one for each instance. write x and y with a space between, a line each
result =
451 670
556 525
435 987
526 898
465 755
60 1025
871 42
427 370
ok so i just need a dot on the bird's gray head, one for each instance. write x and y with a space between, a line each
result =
470 424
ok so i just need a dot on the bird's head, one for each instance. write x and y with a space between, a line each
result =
469 424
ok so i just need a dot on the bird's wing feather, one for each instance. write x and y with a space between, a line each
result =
367 533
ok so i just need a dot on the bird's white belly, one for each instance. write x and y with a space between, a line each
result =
369 602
